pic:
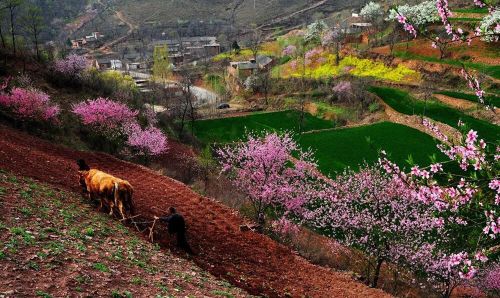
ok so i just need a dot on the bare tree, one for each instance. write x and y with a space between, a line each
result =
187 106
255 40
393 38
33 25
265 77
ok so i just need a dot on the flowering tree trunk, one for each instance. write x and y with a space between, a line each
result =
376 275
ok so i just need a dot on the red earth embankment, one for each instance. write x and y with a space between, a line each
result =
248 260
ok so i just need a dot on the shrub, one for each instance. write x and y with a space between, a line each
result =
30 104
104 114
145 142
373 107
72 66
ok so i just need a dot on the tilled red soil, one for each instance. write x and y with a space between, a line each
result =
248 260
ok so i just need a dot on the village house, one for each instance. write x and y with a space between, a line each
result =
78 43
355 29
190 48
244 69
136 61
93 37
108 64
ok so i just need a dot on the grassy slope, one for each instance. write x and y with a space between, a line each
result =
472 10
226 130
341 148
52 244
402 102
494 100
491 70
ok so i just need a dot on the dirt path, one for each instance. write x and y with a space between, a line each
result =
248 260
107 47
291 15
471 108
456 103
415 122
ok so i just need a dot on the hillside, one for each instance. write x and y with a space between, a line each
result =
202 17
61 247
250 261
244 11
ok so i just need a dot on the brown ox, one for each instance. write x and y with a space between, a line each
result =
109 190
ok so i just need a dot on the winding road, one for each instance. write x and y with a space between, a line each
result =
203 96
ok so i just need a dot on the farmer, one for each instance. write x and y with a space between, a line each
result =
176 225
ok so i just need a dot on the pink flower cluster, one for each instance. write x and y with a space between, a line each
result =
104 113
150 116
72 66
145 142
314 56
342 87
479 3
491 280
406 26
474 84
262 169
434 129
470 153
289 50
285 227
492 227
30 104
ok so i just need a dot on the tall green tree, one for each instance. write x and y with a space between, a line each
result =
33 25
2 14
161 64
12 7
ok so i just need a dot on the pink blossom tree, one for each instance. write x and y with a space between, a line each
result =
104 114
30 104
72 66
435 222
145 142
115 120
265 171
469 200
377 213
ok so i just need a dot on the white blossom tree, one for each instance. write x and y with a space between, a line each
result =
371 11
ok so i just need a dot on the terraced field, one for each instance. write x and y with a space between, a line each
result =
335 149
349 147
402 102
491 99
227 130
490 70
